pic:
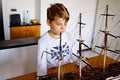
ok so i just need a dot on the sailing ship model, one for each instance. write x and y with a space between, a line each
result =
109 66
100 67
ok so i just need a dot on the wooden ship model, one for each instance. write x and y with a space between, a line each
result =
96 69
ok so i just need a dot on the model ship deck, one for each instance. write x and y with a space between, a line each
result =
71 71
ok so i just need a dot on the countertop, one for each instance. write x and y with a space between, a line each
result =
6 44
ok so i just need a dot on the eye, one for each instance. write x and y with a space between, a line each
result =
58 24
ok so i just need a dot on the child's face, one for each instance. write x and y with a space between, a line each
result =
57 26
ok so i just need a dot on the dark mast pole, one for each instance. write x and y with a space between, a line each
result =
61 45
60 56
80 46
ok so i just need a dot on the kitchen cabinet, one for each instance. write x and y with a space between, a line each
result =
24 31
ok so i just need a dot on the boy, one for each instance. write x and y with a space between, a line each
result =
48 44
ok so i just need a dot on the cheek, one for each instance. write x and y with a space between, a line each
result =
65 27
57 28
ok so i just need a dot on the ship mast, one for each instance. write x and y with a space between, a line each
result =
81 42
106 33
105 37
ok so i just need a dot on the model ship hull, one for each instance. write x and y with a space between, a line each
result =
71 71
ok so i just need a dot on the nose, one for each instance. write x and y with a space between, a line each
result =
62 29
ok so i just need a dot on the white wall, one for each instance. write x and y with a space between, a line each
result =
17 61
86 7
21 5
37 9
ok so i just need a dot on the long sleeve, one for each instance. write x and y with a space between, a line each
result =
74 50
42 63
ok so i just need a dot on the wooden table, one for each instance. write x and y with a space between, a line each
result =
72 67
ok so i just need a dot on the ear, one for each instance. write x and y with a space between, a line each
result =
48 22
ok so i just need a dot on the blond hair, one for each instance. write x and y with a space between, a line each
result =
57 10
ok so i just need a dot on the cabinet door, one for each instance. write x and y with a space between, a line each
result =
24 31
33 31
17 32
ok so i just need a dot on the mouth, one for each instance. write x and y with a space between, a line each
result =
61 31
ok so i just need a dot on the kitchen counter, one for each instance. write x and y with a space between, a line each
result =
6 44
